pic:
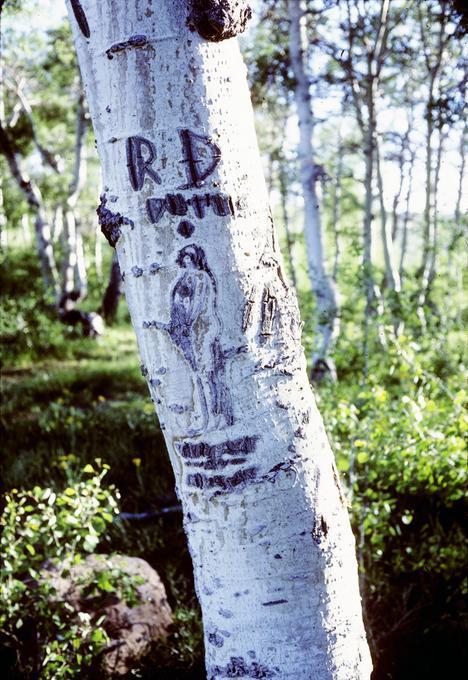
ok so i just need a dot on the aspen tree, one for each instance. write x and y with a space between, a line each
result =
185 204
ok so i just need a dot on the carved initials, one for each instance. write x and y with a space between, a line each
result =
138 166
176 204
198 165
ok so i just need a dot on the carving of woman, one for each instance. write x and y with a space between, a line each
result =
194 328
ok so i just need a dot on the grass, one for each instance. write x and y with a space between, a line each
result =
58 414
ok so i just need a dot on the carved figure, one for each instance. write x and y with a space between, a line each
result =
194 328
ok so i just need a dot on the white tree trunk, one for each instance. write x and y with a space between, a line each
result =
74 265
322 285
41 227
392 276
406 218
283 190
185 203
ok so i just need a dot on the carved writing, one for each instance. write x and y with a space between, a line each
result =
185 228
268 311
139 165
176 204
264 296
219 482
201 156
218 456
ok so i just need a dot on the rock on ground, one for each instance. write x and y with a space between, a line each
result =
137 614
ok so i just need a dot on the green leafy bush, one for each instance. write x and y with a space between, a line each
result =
43 531
400 444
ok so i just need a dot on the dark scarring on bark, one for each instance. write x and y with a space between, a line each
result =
110 222
133 41
80 17
218 20
238 667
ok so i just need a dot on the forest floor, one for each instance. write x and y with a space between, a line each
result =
59 415
400 437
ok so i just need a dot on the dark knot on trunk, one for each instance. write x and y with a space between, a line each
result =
218 20
111 222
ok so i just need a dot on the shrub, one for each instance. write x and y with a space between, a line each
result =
43 529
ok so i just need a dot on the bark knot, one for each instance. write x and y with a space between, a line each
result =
217 20
110 222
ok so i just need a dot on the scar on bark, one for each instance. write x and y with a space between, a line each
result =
217 20
110 222
238 667
336 478
133 41
80 17
319 530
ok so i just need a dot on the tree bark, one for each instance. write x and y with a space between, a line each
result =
186 206
322 285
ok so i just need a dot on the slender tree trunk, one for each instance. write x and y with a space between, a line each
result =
98 251
392 278
434 249
406 218
74 276
367 268
218 330
459 220
74 265
336 201
34 199
427 227
322 285
57 222
401 167
284 213
429 262
110 300
25 228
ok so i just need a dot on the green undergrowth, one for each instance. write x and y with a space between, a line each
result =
59 416
399 441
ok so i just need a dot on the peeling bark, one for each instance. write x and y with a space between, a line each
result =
219 336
